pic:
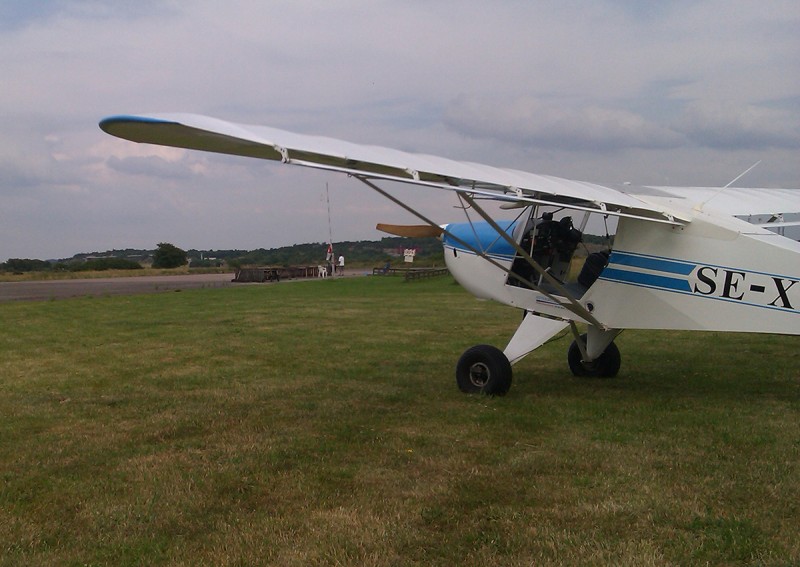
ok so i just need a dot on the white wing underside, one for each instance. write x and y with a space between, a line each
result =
659 204
741 202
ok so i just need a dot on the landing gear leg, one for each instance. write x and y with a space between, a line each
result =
484 369
606 365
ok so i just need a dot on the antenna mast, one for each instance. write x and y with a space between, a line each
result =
735 179
331 257
330 229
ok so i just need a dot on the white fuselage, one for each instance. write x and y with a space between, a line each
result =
714 273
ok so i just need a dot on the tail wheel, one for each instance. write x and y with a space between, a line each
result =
484 369
604 366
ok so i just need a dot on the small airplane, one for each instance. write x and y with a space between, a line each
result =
682 258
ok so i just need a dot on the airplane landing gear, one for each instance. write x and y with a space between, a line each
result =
483 369
604 366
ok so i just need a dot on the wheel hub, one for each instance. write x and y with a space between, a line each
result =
479 374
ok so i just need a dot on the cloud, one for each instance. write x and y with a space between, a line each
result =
533 122
153 166
676 92
729 126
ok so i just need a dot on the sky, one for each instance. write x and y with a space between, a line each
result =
663 93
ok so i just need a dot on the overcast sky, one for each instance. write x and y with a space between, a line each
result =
681 93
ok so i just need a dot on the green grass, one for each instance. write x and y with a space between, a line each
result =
318 423
96 274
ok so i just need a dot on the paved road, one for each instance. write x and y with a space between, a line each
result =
65 289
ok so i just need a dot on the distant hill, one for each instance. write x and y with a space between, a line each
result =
357 253
361 252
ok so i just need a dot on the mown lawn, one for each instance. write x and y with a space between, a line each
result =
318 423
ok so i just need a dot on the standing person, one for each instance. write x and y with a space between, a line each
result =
341 265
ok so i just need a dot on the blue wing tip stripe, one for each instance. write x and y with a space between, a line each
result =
110 121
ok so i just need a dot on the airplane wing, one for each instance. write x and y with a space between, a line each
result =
373 162
741 202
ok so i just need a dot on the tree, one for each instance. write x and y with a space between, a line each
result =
168 256
25 265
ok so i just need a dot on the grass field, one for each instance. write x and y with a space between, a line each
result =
144 272
318 423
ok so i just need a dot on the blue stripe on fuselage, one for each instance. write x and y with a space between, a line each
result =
648 280
651 263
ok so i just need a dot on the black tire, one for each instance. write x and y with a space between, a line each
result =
483 369
604 366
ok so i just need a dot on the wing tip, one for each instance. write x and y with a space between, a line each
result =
109 123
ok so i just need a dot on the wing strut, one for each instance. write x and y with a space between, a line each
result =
574 306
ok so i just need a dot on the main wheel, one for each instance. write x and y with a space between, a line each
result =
604 366
483 369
